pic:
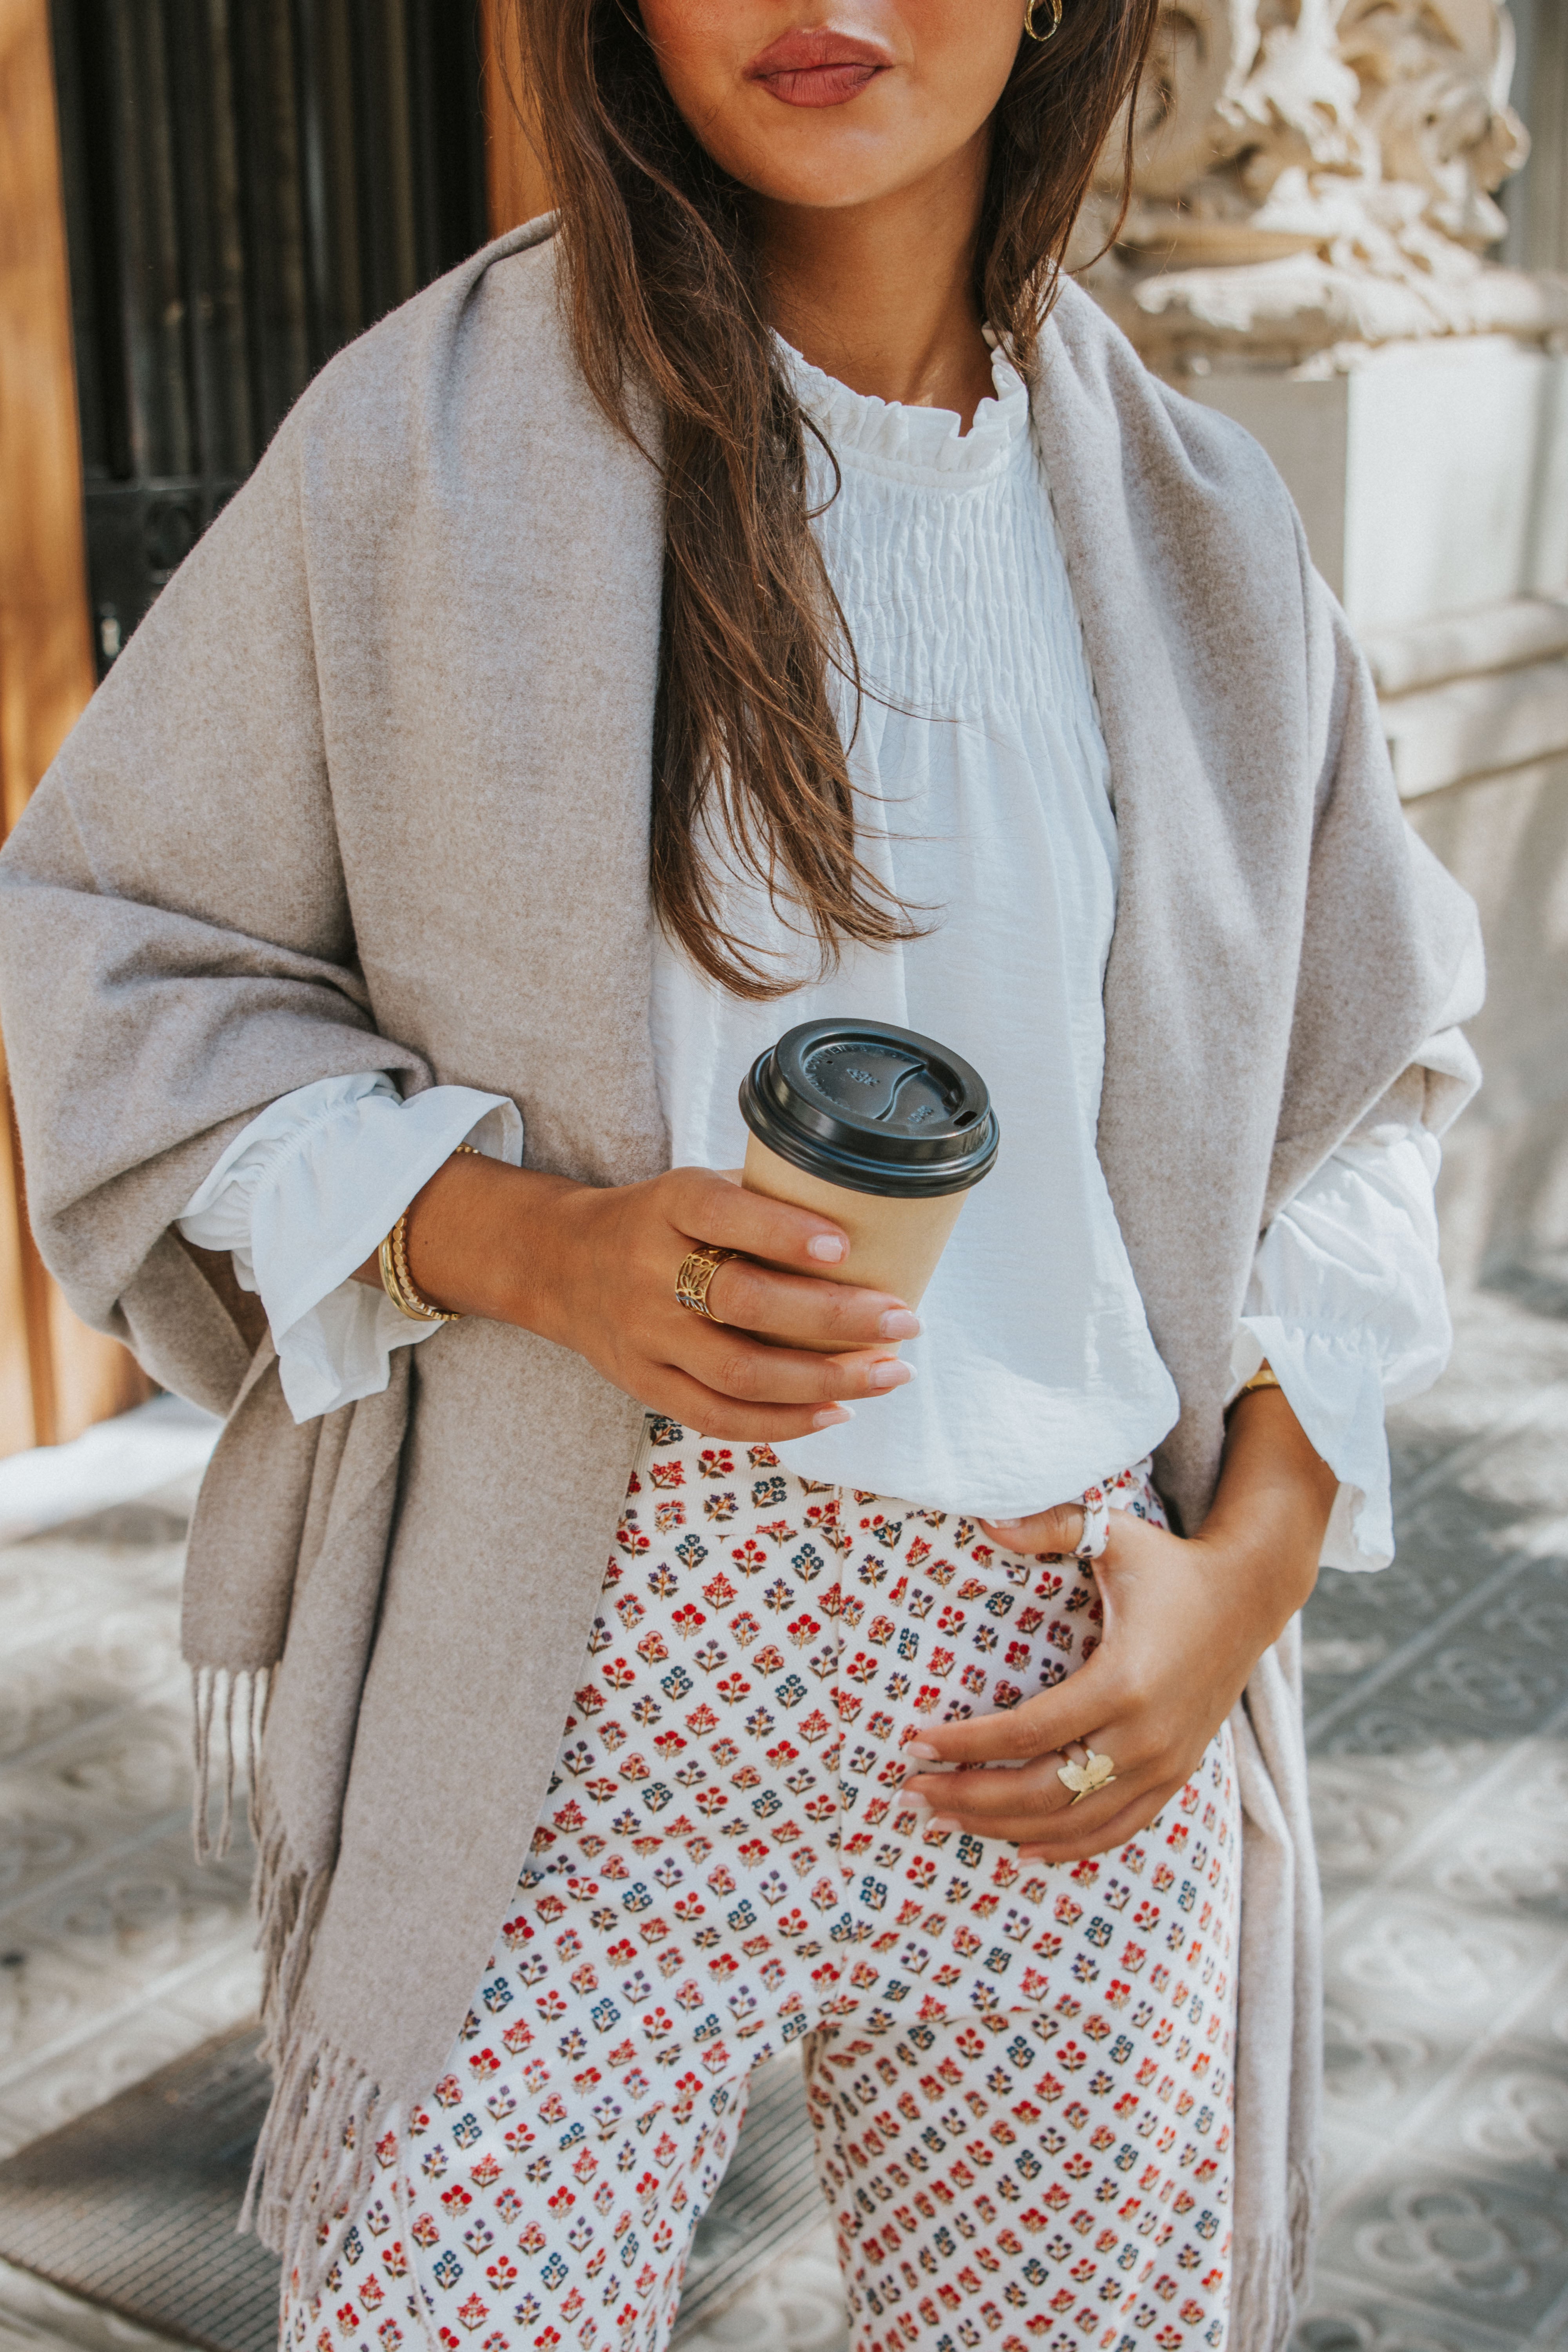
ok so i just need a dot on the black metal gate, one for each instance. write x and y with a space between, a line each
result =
248 184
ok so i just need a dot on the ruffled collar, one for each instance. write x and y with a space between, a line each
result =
915 444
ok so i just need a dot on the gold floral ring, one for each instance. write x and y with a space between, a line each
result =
1083 1778
698 1269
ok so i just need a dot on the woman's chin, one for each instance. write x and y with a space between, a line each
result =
814 162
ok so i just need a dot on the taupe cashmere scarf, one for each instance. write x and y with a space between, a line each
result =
369 789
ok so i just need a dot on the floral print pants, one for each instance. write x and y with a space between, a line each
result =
1018 2076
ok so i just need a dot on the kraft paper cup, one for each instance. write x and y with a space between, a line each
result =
883 1130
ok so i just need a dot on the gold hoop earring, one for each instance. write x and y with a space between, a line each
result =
1055 21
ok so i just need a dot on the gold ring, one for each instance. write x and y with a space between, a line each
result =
696 1273
1083 1779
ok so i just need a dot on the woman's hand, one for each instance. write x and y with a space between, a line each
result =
1186 1622
594 1268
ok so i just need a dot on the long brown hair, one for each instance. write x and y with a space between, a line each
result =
664 286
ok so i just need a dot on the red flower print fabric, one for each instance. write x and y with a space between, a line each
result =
1018 2076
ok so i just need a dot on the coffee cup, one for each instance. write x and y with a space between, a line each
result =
883 1130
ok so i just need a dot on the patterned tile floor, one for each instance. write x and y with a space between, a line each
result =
1439 1718
1438 1714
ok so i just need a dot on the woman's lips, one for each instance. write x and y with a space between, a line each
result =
817 69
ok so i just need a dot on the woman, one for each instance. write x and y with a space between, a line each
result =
774 589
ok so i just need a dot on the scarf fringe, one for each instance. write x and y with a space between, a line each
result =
1302 2211
314 2160
289 1899
217 1696
1270 2274
1262 2300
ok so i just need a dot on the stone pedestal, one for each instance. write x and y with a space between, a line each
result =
1432 476
1432 482
1503 1197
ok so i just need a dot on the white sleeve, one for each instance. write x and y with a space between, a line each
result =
1346 1304
307 1194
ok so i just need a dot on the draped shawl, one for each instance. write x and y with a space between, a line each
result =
369 789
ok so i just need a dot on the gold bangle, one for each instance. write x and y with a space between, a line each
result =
1265 1377
396 1278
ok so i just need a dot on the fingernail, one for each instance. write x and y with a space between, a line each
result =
923 1749
831 1417
900 1324
828 1248
1005 1526
945 1827
913 1797
891 1373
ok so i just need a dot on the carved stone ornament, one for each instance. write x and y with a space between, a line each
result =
1317 173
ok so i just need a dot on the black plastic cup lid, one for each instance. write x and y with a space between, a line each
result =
872 1108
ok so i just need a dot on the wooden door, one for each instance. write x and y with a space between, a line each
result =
56 1376
237 192
514 178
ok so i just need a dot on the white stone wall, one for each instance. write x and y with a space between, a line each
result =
1306 251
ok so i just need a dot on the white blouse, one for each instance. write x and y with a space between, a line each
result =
983 803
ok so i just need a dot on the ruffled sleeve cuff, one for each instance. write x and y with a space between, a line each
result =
1333 1385
308 1192
1346 1304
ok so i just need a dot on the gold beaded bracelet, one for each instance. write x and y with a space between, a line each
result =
396 1278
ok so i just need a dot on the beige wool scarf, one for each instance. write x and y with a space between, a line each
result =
369 789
